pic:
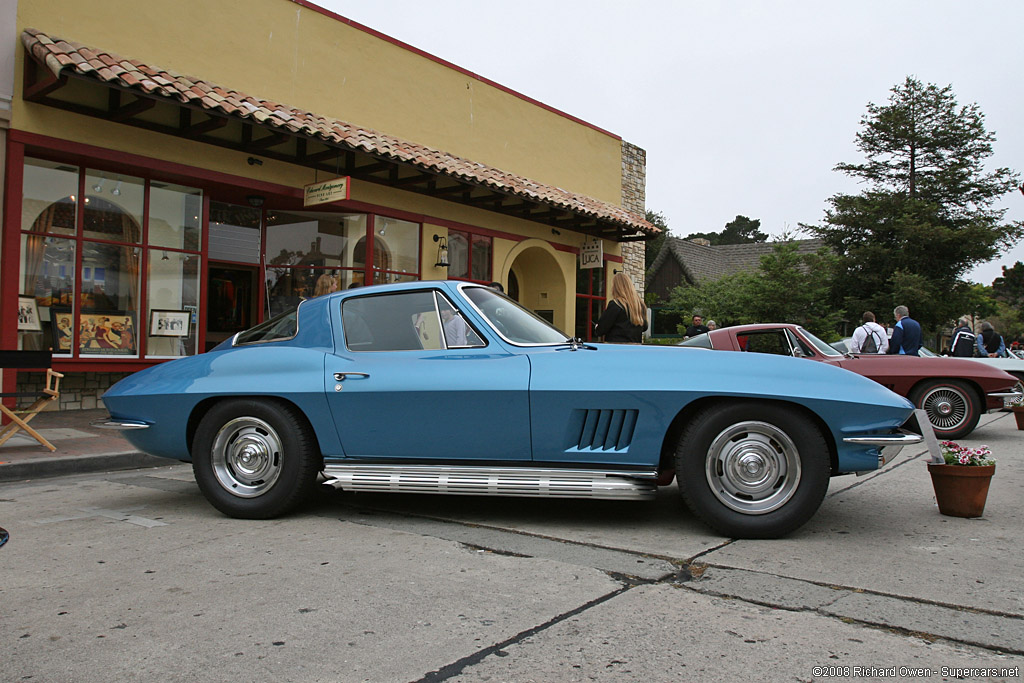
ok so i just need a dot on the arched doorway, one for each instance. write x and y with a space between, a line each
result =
539 281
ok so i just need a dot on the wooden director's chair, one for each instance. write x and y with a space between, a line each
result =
29 360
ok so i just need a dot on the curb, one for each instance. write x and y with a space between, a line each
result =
79 464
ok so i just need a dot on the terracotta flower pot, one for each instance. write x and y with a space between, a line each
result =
961 490
1018 414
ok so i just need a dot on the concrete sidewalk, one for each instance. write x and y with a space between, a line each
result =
80 448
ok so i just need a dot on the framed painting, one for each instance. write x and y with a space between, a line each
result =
62 321
107 333
170 323
28 315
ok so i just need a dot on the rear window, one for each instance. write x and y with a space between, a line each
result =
282 326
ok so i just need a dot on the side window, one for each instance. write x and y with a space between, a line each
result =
405 321
765 342
388 322
457 332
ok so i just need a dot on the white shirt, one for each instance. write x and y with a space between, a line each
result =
860 335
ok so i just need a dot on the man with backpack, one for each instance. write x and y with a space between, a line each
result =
869 337
962 343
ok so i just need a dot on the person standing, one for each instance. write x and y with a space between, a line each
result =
712 325
870 337
989 343
625 318
906 334
962 343
696 327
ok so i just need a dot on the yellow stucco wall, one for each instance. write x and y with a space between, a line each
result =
282 51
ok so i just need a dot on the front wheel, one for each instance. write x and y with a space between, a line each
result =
952 407
751 470
255 458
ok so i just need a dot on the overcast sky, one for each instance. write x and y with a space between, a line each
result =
744 107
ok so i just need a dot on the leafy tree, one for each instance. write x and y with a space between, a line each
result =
788 287
927 215
741 230
1010 286
652 247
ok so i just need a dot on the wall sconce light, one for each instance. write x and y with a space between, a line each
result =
442 252
165 257
255 200
117 189
616 271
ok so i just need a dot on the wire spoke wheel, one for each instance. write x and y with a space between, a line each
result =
947 408
753 467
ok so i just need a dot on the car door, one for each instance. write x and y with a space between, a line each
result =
412 378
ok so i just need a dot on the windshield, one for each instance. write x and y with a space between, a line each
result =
823 348
513 322
282 326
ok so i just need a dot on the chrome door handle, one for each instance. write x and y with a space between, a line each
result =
339 376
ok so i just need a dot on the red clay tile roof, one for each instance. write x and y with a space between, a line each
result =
59 55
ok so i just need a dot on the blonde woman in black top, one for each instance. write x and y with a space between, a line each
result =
625 319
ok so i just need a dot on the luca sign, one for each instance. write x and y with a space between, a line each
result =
591 254
331 190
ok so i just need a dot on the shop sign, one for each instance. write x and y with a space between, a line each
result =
592 254
326 191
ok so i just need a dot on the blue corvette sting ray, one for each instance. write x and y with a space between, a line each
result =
453 388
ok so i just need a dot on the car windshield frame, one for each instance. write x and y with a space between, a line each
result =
822 348
524 319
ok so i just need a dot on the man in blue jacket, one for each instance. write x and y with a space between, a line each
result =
906 335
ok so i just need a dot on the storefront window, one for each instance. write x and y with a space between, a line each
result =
107 322
173 294
113 207
589 300
90 307
49 192
175 215
470 256
304 246
396 249
47 272
234 233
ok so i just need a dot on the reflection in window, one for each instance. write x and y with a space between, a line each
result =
113 207
396 249
302 246
173 286
469 256
175 213
49 191
109 300
47 272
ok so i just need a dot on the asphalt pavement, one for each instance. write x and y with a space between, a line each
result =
877 586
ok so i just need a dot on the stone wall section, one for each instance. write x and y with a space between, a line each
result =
78 390
634 198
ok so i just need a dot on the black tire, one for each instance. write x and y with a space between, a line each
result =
784 480
952 407
255 458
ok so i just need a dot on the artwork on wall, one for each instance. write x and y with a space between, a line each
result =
110 333
28 314
170 323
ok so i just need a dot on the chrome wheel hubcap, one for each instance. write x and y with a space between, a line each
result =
247 457
753 467
947 408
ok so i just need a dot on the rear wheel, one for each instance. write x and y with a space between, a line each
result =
255 458
952 407
751 470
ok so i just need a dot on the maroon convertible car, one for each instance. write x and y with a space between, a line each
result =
953 392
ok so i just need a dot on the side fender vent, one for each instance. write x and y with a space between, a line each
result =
602 429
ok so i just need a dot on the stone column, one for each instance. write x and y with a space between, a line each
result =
634 196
